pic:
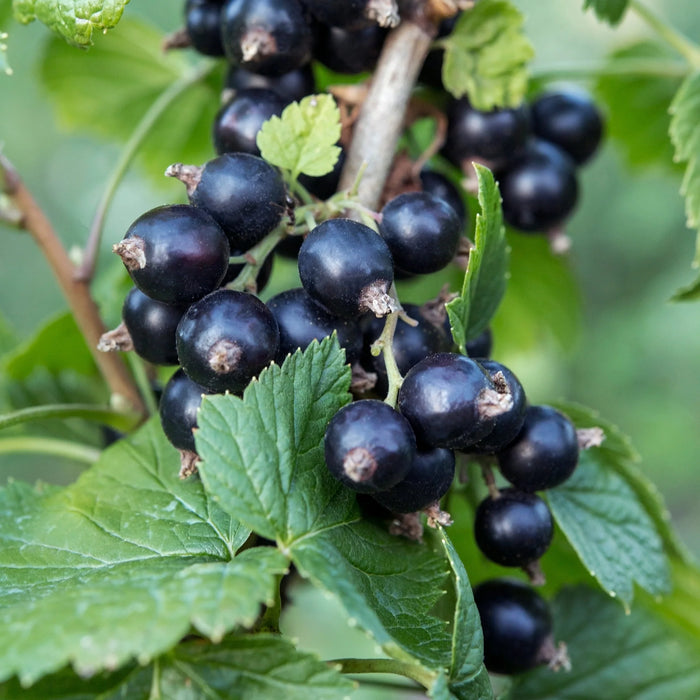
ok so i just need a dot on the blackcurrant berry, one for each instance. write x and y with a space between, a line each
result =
291 86
422 232
545 452
427 481
225 339
175 253
354 14
326 185
369 446
539 188
178 410
439 186
481 345
203 24
238 122
301 320
349 51
347 268
570 120
514 529
517 625
266 36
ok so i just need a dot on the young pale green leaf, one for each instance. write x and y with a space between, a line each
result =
120 564
486 56
74 20
304 138
612 533
685 135
263 454
610 11
614 655
487 272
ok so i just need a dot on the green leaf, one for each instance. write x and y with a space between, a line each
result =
607 526
685 135
643 142
120 564
486 56
613 654
304 138
74 20
690 292
110 89
8 336
263 454
610 11
487 272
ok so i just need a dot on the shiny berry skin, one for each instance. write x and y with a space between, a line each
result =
427 481
369 447
266 36
301 320
515 529
175 254
238 122
439 186
244 194
345 266
203 23
446 399
324 186
545 452
349 51
421 230
225 339
291 86
348 13
178 410
494 136
516 623
151 325
539 188
570 120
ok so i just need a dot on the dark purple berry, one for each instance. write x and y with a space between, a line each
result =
203 24
353 14
479 347
349 51
439 186
291 86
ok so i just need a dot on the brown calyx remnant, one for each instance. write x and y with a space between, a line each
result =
434 310
491 403
189 175
590 437
132 251
115 340
362 381
256 44
535 574
359 464
407 525
179 39
437 516
188 463
223 356
384 12
375 298
464 250
555 656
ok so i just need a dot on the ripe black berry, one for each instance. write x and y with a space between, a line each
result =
203 23
291 86
266 36
226 339
545 452
427 481
539 188
175 254
301 320
439 186
178 410
517 626
514 529
422 232
354 14
347 268
349 51
569 120
369 446
481 345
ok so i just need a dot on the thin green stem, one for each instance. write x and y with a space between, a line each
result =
91 412
400 668
49 446
155 681
87 269
258 254
685 47
618 67
143 382
269 621
297 188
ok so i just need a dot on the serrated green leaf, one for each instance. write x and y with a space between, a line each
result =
74 20
120 564
685 136
486 56
643 142
614 655
610 530
108 91
610 11
486 277
304 138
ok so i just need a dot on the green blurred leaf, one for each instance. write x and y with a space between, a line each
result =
643 142
5 12
74 20
610 11
486 56
8 336
120 564
263 454
614 655
487 272
110 89
690 292
304 138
